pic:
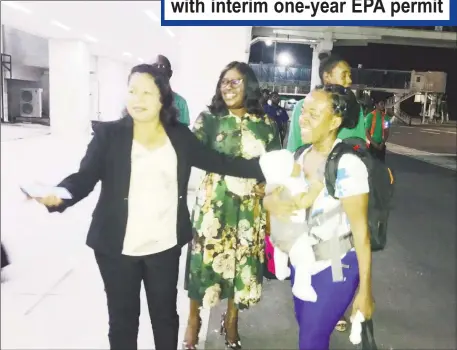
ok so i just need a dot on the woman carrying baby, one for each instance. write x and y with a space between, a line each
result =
325 111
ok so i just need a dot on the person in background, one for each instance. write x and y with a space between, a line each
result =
4 260
279 115
264 98
180 103
327 296
227 252
377 124
332 70
141 220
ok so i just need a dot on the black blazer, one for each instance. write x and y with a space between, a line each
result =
108 159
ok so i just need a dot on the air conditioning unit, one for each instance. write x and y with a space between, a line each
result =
30 103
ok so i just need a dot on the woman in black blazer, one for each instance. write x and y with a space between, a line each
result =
144 162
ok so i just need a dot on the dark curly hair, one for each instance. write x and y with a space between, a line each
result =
344 104
168 113
327 63
251 91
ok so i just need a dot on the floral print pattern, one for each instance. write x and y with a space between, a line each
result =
227 253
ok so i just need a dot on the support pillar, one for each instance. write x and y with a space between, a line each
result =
323 46
424 108
69 87
201 59
396 104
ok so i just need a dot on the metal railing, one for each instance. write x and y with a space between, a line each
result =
377 78
271 74
402 117
429 28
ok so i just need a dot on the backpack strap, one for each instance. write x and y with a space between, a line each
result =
354 146
299 151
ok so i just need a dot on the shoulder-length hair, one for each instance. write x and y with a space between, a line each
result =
168 113
251 91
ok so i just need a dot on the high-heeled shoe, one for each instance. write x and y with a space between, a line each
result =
187 346
235 345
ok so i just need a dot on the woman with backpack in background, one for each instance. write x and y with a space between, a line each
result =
332 70
326 110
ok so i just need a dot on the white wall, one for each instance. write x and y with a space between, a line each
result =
26 49
203 54
29 54
111 77
69 88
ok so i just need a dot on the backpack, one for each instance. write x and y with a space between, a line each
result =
380 179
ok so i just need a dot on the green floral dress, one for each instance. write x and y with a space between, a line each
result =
227 253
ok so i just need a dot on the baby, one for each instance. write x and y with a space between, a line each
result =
289 236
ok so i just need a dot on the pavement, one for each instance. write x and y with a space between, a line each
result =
435 144
439 139
54 298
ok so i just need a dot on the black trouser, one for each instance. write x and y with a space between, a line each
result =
122 276
379 153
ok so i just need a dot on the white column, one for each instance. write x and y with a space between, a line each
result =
323 46
203 54
112 86
69 87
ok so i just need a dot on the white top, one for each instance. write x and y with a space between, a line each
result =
351 180
153 201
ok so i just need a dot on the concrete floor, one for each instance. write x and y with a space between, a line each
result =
54 297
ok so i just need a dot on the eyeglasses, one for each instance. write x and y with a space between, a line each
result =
232 82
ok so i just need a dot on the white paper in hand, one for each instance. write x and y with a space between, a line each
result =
41 191
356 330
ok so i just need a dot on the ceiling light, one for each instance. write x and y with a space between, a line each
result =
91 38
60 25
170 32
16 6
127 54
140 60
152 15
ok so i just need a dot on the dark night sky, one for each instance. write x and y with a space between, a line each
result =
379 56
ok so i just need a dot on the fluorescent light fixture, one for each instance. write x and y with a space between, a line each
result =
140 60
91 38
127 54
170 33
285 59
152 15
60 25
16 6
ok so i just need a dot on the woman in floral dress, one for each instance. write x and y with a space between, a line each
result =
226 257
